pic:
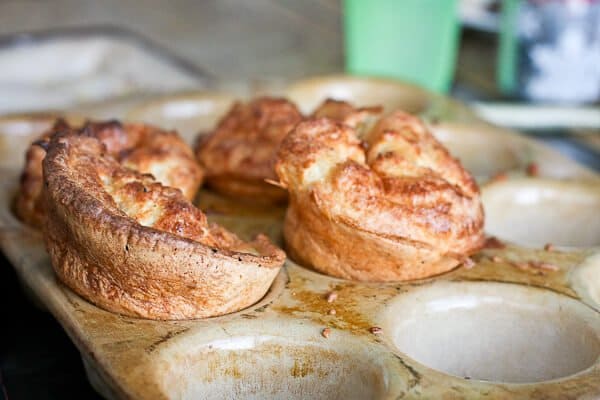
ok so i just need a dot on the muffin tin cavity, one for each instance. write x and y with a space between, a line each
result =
483 150
309 93
585 279
272 359
536 211
17 132
494 332
313 336
486 151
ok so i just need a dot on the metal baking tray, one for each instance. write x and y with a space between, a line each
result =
523 321
60 68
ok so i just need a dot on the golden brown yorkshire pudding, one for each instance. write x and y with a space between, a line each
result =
239 154
394 207
130 245
141 147
360 118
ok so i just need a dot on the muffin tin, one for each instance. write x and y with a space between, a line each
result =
522 321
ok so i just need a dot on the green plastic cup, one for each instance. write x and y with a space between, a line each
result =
414 40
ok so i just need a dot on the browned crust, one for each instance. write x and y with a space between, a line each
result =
28 204
141 147
395 206
360 119
347 252
178 267
239 154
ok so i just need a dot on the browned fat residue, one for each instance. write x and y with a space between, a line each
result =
523 266
165 338
311 360
301 368
215 203
229 363
233 371
213 366
244 218
328 358
316 307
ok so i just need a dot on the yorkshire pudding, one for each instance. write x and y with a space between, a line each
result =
133 246
141 147
395 206
239 154
359 118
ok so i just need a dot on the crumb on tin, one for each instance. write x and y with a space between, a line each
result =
375 330
546 265
331 297
539 267
468 263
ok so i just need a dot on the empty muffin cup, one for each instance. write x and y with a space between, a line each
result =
494 332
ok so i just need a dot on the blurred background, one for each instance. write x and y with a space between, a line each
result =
535 51
528 64
286 38
228 38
